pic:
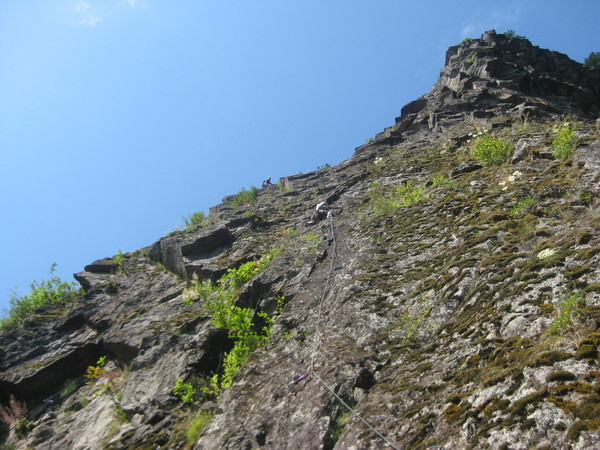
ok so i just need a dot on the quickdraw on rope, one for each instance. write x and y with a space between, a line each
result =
311 371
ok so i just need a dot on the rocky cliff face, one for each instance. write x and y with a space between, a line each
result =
449 304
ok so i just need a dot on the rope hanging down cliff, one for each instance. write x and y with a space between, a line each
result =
312 371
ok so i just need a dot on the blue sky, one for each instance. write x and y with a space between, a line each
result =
120 117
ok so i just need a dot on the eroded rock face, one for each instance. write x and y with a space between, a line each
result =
424 304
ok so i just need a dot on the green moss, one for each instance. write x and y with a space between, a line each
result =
576 386
594 287
550 357
586 351
519 408
455 413
588 408
575 272
583 425
561 375
566 405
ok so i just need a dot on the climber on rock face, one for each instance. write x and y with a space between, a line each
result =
322 210
267 182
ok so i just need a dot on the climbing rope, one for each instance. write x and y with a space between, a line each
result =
325 289
316 343
354 413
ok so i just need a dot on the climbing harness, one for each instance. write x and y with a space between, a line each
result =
312 371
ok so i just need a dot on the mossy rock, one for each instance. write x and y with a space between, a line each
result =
589 408
583 425
519 408
561 375
564 404
550 357
586 351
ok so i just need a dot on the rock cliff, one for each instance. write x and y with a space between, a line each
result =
452 302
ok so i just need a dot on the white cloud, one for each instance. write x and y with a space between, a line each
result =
83 14
469 30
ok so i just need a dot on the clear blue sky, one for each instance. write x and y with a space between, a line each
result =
120 117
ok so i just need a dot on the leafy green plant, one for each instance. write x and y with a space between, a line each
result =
283 187
23 426
196 425
195 220
245 197
564 142
408 194
524 206
45 292
440 180
184 391
386 202
467 40
96 371
593 60
490 150
471 60
568 312
324 166
224 313
413 322
512 34
118 259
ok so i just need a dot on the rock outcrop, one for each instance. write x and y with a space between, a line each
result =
450 303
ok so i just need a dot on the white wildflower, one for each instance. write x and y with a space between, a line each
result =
546 253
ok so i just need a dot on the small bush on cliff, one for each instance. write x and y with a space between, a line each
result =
593 60
490 150
568 313
184 391
94 372
195 220
219 301
564 142
45 292
245 198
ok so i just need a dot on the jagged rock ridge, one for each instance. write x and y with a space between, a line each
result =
436 321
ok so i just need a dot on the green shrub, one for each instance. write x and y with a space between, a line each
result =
196 425
513 34
245 198
195 220
524 206
224 313
118 259
490 150
467 40
568 313
184 391
564 142
593 60
386 201
409 194
45 292
94 372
